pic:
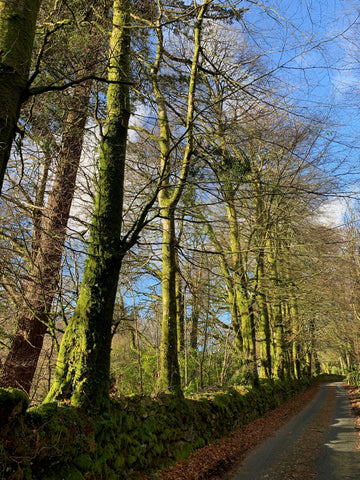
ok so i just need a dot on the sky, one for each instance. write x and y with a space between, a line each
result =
313 49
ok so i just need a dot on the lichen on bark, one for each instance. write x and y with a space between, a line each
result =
169 197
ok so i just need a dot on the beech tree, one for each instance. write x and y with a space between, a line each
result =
169 197
172 189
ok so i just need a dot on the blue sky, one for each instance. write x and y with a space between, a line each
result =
313 47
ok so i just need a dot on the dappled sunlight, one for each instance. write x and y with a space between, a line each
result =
345 440
343 427
342 430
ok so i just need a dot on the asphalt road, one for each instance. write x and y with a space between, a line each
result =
320 443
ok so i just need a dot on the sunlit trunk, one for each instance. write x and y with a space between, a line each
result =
169 366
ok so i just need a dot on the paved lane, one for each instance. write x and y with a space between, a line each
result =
320 443
339 454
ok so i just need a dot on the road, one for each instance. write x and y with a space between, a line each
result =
320 443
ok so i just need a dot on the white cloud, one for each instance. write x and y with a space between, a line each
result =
333 212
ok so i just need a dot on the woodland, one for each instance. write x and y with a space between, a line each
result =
162 199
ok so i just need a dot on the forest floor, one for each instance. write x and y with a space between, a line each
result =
222 460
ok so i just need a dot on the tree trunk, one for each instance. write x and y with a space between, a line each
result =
195 309
17 32
260 291
180 309
264 324
169 197
296 343
225 360
276 306
39 291
83 368
169 365
244 310
194 323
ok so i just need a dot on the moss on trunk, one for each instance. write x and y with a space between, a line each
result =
169 197
82 371
17 32
244 310
169 365
276 307
264 323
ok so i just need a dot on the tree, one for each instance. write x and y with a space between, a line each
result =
39 290
170 194
17 33
83 367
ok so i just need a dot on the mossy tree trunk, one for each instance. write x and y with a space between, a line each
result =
243 302
17 33
276 306
194 321
82 370
279 362
169 197
242 317
195 289
38 292
262 225
170 371
180 307
296 332
229 280
230 170
264 319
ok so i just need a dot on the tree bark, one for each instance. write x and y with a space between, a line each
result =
264 320
169 197
276 306
230 285
180 309
83 368
17 33
244 309
169 371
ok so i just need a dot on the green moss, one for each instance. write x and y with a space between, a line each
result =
119 463
157 449
14 395
83 462
74 474
64 474
43 413
64 441
13 402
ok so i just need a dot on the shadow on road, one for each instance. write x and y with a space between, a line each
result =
339 457
320 443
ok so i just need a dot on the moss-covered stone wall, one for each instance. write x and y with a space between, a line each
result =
143 434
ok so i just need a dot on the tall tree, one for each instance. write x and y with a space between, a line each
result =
44 127
39 290
83 367
169 197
